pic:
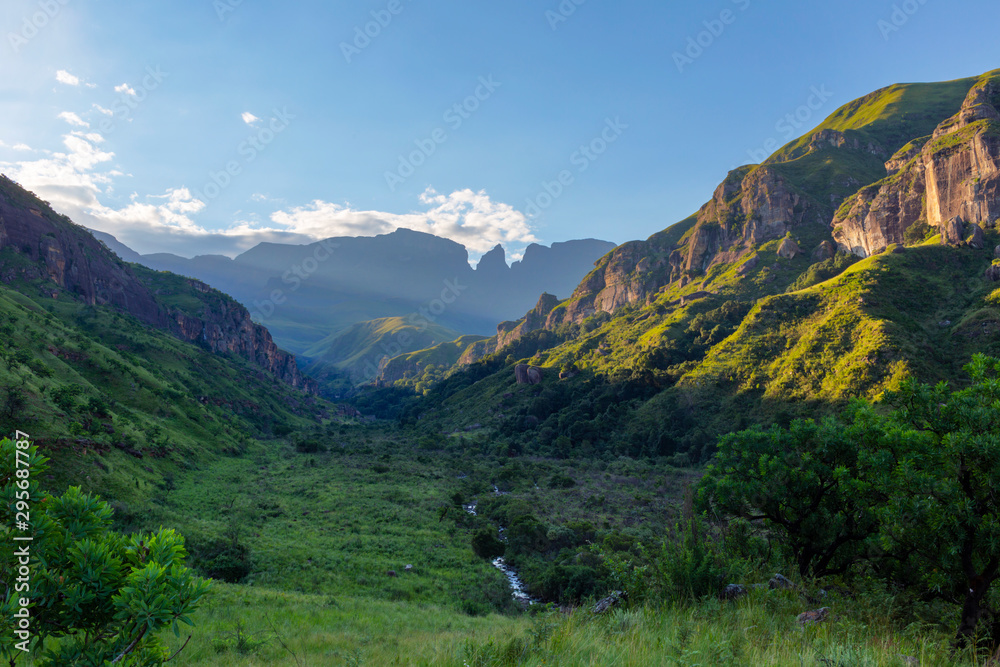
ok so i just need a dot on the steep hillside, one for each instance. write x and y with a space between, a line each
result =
424 367
952 173
759 308
45 255
129 372
360 350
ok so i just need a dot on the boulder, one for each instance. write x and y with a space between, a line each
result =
974 236
733 592
993 273
607 603
815 616
408 568
953 232
780 582
525 374
390 573
748 266
789 249
825 250
996 252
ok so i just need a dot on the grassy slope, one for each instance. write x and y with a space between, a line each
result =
359 348
760 630
147 406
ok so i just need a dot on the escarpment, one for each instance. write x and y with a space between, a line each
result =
64 261
954 173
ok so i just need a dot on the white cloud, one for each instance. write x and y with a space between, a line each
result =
126 89
102 110
249 118
467 217
62 76
77 179
73 119
22 147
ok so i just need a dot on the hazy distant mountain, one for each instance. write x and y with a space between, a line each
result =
307 293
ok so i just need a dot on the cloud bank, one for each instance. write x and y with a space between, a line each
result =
76 179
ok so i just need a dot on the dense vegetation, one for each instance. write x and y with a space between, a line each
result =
814 389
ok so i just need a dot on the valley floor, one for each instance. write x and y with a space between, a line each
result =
325 527
247 626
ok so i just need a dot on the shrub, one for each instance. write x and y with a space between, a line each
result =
97 597
486 545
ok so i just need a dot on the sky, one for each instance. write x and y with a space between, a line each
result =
208 126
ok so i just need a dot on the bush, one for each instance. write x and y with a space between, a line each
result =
486 545
224 559
97 597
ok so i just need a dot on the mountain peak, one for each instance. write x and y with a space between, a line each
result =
493 262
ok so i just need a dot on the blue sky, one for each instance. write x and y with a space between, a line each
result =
201 126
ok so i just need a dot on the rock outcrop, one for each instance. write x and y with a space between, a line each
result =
225 327
955 173
529 375
825 250
789 249
37 244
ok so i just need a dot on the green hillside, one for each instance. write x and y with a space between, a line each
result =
358 350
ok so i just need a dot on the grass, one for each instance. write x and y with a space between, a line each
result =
302 630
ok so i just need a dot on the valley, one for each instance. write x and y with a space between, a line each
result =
800 378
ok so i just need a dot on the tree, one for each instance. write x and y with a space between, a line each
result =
96 596
942 518
924 478
803 482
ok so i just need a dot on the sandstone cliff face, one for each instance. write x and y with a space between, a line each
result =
69 256
752 206
954 173
43 245
225 327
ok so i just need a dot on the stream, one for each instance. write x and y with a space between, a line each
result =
517 587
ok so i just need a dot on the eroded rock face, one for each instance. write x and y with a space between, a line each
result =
955 174
83 268
227 328
69 256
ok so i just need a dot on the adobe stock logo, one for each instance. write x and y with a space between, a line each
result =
791 124
365 35
698 44
248 150
455 116
901 15
585 156
34 24
293 279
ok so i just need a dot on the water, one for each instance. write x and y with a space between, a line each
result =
517 587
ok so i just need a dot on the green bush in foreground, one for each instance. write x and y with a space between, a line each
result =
94 596
913 493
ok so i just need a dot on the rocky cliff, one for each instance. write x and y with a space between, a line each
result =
41 250
836 173
954 173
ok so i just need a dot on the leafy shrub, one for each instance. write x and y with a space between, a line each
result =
486 545
225 559
693 564
97 597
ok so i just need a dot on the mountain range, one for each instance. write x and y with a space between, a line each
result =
305 293
855 256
